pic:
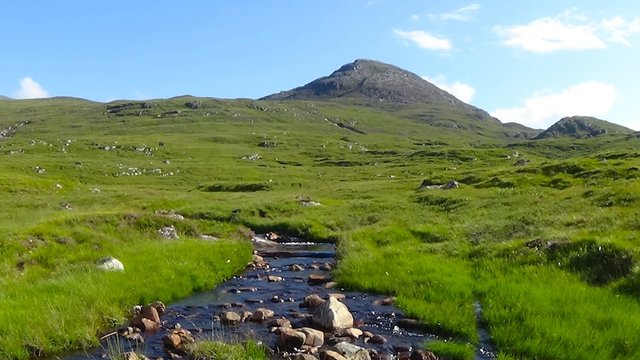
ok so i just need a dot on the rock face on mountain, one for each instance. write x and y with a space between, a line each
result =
581 127
377 82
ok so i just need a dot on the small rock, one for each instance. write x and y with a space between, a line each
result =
313 337
316 279
312 301
169 232
296 267
230 317
110 264
290 339
330 285
302 357
331 355
451 185
262 314
352 352
280 323
378 339
326 267
386 301
246 315
338 296
353 333
177 340
423 355
273 278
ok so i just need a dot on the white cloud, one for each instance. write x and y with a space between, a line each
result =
462 91
619 30
463 14
425 40
30 89
541 110
415 17
568 31
550 34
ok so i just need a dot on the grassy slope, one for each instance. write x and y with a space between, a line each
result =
439 251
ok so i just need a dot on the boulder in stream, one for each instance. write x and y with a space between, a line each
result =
333 315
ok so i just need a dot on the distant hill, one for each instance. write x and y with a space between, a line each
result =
520 131
581 127
4 97
378 83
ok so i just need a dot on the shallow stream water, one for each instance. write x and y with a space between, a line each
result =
251 290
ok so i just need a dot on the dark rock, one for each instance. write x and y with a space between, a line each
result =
423 355
312 301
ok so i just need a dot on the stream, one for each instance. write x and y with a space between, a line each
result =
290 265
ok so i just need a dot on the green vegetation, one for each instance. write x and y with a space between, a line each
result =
216 350
547 245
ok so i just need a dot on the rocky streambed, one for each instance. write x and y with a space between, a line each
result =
286 299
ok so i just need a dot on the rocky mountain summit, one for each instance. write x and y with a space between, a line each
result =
581 127
377 82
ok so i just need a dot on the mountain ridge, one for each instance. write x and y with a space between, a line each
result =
581 127
379 83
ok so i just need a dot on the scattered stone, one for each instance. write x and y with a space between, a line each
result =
353 333
110 264
423 355
521 162
390 300
352 352
378 339
230 317
338 296
312 301
252 157
258 262
296 267
317 279
245 316
290 339
208 237
309 203
313 337
273 236
451 185
279 323
273 278
177 340
132 334
302 357
330 285
333 315
262 314
326 267
331 355
169 232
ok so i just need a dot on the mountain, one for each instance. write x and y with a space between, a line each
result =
377 83
4 97
581 127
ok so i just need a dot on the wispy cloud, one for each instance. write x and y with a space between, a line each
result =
619 30
29 89
542 109
462 91
568 31
371 3
425 40
465 13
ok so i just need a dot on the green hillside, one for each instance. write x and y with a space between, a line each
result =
542 233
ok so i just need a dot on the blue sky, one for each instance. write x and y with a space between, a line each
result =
531 62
